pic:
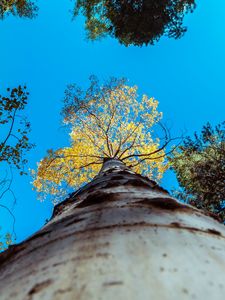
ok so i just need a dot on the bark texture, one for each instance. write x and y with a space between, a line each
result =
120 237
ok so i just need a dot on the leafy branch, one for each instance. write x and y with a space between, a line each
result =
15 142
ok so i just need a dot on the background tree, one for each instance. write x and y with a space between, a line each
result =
199 165
20 8
14 142
138 22
108 121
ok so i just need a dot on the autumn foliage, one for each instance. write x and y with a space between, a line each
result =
108 121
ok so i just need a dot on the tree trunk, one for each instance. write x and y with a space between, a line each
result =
120 237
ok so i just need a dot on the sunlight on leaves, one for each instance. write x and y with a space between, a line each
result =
109 121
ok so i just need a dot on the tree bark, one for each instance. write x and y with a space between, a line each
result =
120 237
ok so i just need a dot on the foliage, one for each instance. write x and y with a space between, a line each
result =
6 242
20 8
137 22
108 121
15 128
200 168
14 142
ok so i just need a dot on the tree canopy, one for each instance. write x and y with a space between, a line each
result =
108 121
137 22
200 168
20 8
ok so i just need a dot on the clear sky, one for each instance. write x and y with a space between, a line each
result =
47 53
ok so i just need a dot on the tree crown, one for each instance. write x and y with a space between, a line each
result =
134 22
108 121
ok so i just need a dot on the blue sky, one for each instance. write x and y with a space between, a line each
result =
47 53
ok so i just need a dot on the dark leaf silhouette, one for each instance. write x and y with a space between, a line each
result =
20 8
137 22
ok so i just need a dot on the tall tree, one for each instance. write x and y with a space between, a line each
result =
14 144
200 168
121 235
108 121
20 8
139 22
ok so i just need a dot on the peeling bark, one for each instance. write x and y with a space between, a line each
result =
120 237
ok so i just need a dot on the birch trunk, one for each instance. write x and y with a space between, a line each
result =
120 237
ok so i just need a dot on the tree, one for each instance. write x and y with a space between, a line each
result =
14 143
20 8
107 121
199 165
121 234
134 22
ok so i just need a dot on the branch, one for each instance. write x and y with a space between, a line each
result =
154 152
128 148
14 219
154 158
8 189
10 130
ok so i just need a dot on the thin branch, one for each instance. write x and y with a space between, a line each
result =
129 135
154 158
84 123
128 148
13 217
10 129
91 163
151 153
119 147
